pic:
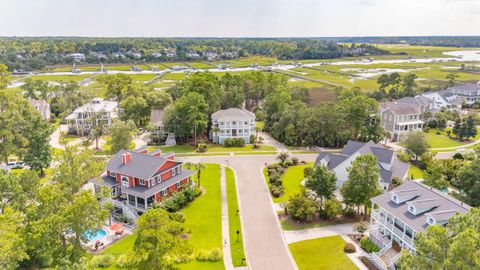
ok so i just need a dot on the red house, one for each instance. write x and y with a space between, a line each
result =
143 177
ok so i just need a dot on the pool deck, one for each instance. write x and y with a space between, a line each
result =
108 240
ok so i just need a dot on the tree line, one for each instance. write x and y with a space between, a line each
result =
36 53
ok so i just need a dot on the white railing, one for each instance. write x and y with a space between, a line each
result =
375 214
394 260
378 261
397 231
385 248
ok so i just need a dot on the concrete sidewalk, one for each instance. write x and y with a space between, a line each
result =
227 254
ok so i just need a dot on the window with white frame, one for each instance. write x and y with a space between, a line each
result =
178 184
163 192
174 172
141 181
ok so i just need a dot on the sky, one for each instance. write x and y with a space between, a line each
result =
239 18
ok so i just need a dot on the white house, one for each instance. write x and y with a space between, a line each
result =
77 56
388 164
97 112
42 107
469 92
399 215
444 99
232 123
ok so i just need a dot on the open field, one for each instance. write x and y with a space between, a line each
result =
236 240
321 254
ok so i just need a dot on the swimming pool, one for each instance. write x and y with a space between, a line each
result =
96 235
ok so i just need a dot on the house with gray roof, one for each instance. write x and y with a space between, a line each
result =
142 178
97 112
444 99
399 215
425 103
42 107
400 118
468 92
232 123
388 164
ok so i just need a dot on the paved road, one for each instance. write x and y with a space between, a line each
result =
265 245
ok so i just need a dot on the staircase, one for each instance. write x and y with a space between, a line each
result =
128 211
389 256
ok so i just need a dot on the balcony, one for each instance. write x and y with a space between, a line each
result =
375 214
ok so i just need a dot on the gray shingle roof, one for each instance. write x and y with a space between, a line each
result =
396 167
417 100
418 222
465 87
400 108
233 112
142 191
142 166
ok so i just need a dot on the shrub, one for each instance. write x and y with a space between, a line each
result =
295 161
124 261
180 199
332 208
458 156
349 248
301 208
348 211
253 139
307 172
234 142
368 245
438 133
276 191
202 148
288 163
213 255
102 260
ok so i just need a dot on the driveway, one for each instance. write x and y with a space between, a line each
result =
269 140
265 245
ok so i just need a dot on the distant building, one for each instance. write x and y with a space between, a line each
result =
118 55
232 123
171 52
157 54
388 164
134 54
103 112
211 56
193 55
399 215
469 92
42 107
98 55
444 99
400 118
77 56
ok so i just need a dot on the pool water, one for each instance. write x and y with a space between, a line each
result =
96 235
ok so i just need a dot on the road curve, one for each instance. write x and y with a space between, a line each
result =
265 245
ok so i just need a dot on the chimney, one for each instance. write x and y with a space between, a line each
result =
126 157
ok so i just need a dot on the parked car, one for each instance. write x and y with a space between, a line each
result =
16 164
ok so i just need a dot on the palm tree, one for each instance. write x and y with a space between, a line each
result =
196 166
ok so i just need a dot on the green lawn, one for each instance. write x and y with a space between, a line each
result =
414 172
203 223
292 179
443 141
260 124
204 219
321 253
236 244
57 78
214 148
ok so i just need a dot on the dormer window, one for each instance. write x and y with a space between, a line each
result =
412 210
431 221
